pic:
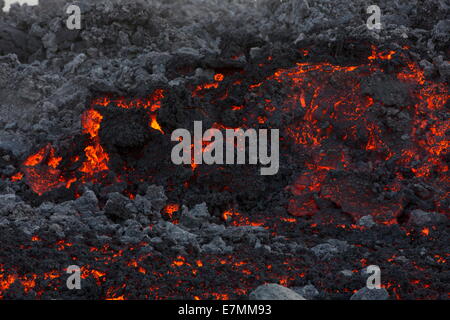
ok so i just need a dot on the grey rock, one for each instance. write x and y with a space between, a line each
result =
176 234
370 294
217 246
237 234
9 170
156 241
116 206
300 9
196 217
300 38
255 52
4 222
386 89
14 208
364 273
147 249
155 194
401 259
75 63
69 221
13 143
366 221
131 208
72 92
132 232
212 229
124 39
202 73
49 41
193 53
14 40
325 251
46 209
143 220
273 291
129 240
428 67
340 244
10 59
56 228
99 223
346 273
421 191
331 248
422 218
87 203
441 31
444 70
11 126
143 205
29 227
104 239
49 107
309 292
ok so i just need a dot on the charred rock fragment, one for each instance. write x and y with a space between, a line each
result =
370 294
273 291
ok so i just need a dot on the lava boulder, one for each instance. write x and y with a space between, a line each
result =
273 291
370 294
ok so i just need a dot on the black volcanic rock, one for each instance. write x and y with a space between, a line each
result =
274 291
118 207
421 218
370 294
14 40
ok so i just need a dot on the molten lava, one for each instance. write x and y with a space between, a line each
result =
337 121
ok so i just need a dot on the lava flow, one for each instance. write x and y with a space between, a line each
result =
368 139
338 117
41 169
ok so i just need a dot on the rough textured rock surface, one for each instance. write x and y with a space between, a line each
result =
370 294
273 291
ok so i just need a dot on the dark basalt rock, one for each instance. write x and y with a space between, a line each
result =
274 291
14 40
370 294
